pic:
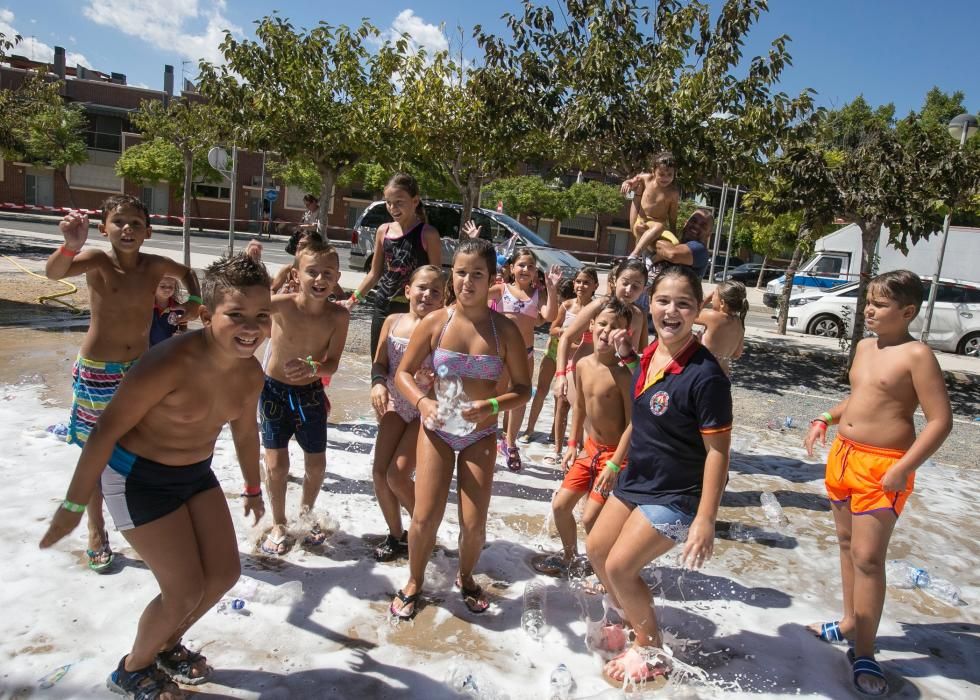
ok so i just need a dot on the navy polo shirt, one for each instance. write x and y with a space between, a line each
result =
690 398
699 255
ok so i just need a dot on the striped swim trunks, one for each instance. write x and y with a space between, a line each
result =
93 385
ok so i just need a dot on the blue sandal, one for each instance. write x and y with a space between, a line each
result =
830 633
147 683
866 666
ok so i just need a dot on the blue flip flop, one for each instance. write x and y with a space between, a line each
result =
830 633
866 666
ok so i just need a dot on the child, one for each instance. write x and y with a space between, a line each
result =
398 420
308 336
724 323
286 281
654 212
521 301
478 345
872 462
602 411
159 486
122 284
677 443
167 312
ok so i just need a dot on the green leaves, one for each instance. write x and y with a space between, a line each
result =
39 127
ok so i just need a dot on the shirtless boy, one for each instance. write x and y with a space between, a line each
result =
157 437
308 336
872 462
603 405
122 285
654 208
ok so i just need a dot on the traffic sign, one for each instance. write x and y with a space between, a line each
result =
271 195
218 159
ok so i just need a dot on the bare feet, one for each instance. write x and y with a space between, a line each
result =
638 665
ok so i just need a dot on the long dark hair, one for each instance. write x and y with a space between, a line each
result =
408 184
473 246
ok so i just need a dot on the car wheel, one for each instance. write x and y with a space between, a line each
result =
367 263
826 326
970 345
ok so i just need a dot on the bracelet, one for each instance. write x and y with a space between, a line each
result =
560 373
252 495
195 298
821 421
613 466
73 507
252 490
827 417
419 401
630 365
572 444
357 295
494 407
379 379
68 253
314 365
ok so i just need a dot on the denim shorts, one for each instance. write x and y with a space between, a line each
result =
670 522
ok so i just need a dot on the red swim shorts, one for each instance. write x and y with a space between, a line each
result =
854 473
585 470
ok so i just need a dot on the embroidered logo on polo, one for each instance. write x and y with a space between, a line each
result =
659 402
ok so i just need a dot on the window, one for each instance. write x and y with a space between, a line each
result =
828 267
578 227
104 133
544 228
445 220
490 229
949 294
971 296
375 216
294 197
354 212
97 173
211 191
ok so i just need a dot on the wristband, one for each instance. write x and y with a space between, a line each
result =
357 295
314 365
560 373
631 365
72 507
613 466
68 252
252 495
379 379
494 407
821 421
252 490
194 298
827 417
570 367
419 401
572 444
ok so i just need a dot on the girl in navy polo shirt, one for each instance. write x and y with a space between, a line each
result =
677 446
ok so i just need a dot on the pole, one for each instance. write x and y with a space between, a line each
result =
234 200
262 196
731 231
716 244
934 287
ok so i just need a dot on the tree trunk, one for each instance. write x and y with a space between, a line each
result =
197 208
71 197
471 194
762 271
328 176
802 240
870 232
188 178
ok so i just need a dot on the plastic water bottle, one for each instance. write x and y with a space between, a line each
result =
232 606
737 532
788 423
944 591
902 574
532 619
452 400
463 680
561 683
772 509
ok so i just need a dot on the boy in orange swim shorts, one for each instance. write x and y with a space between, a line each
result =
603 405
872 462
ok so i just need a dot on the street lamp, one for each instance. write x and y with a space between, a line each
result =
960 128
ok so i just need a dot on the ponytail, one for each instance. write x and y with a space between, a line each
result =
734 296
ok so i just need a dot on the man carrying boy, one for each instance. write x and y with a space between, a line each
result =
122 285
603 404
654 208
157 437
308 336
872 462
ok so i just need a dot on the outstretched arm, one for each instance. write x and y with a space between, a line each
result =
68 260
550 308
573 333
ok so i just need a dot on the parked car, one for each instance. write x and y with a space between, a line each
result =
445 217
733 262
748 273
955 317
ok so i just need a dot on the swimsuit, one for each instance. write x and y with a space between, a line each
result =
94 383
396 402
160 326
402 256
585 470
138 491
286 410
510 304
854 473
485 367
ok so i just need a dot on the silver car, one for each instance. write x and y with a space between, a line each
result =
445 217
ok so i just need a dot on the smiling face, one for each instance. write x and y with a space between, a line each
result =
471 279
401 205
664 175
697 227
126 228
629 285
425 293
525 271
602 325
318 273
241 320
673 306
584 287
165 290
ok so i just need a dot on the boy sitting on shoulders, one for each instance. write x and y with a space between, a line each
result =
872 462
308 336
653 213
603 405
122 284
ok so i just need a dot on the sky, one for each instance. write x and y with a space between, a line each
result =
887 50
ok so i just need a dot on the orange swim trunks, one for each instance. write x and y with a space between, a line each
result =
585 470
854 473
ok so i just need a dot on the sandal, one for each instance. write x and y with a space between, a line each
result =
274 545
475 599
180 663
550 565
866 666
525 439
392 548
100 559
406 600
636 669
514 459
830 633
147 683
315 537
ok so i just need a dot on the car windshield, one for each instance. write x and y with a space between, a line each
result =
517 227
548 253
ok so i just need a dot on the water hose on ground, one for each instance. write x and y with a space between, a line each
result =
56 298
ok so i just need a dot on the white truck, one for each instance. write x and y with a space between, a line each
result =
837 259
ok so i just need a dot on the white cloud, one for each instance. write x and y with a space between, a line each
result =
30 47
420 34
170 25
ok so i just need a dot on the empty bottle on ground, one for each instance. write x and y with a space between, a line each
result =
532 620
903 574
772 509
561 683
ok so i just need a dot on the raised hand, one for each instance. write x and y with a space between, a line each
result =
74 227
254 250
553 277
620 340
471 230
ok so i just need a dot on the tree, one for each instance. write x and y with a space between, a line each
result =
159 160
527 194
321 97
620 82
770 234
192 128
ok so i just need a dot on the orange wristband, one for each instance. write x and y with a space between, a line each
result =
68 252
